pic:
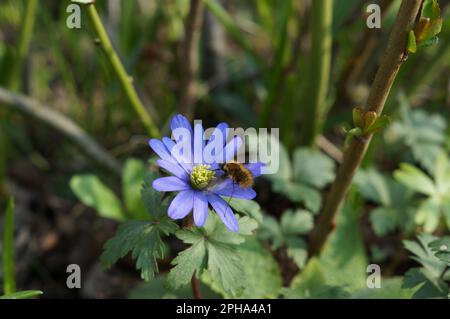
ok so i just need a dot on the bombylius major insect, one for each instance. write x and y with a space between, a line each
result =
238 173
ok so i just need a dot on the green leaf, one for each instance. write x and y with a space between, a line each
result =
297 250
313 168
391 288
383 220
25 294
415 179
247 207
373 186
142 239
271 231
430 277
152 199
215 249
9 278
132 180
93 193
424 133
441 249
298 222
429 215
424 255
426 286
343 260
380 122
217 231
299 193
431 9
442 174
307 282
262 276
358 117
189 261
225 264
412 43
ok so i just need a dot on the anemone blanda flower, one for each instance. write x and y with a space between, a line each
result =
198 183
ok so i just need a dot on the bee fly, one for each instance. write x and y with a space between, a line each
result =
238 173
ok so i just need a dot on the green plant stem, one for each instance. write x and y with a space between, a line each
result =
9 282
23 44
125 80
277 76
190 57
14 83
386 74
315 102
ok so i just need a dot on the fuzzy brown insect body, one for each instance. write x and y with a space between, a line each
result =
240 174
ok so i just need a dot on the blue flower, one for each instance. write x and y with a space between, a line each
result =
199 184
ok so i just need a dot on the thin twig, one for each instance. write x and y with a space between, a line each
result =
387 72
329 148
190 57
125 80
61 124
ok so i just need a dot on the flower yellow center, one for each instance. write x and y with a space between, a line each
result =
201 176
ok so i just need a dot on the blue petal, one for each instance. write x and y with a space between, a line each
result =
231 189
181 205
219 131
180 121
200 208
169 143
224 211
170 184
159 148
255 168
174 169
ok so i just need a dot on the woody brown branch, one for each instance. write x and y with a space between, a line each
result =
386 74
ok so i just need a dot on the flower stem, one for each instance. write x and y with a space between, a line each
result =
386 74
196 287
125 80
196 292
315 106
